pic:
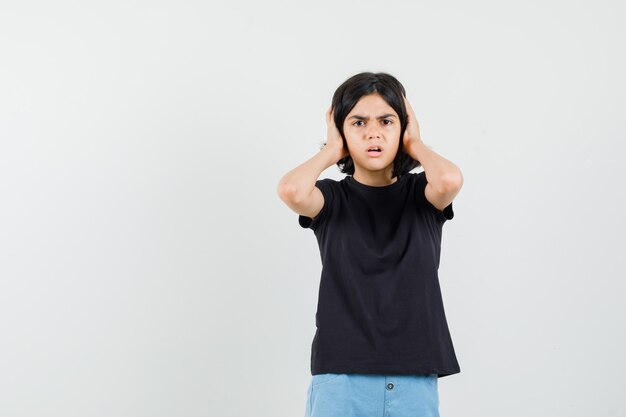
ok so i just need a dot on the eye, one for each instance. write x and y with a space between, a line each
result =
387 122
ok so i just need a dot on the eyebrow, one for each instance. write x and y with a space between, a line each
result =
382 116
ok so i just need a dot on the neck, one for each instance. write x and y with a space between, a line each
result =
374 178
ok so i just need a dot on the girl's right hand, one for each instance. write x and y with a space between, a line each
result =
333 139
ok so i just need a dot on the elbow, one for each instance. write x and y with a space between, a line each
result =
452 181
287 191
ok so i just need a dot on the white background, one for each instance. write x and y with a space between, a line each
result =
148 267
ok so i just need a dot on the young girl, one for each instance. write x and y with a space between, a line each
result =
382 339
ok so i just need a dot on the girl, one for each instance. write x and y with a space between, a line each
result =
382 339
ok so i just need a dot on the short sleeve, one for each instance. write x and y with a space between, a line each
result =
442 216
326 188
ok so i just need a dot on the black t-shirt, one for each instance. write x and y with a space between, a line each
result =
380 309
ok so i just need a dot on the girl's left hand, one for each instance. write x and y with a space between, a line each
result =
412 131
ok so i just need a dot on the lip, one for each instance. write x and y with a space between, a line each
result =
374 154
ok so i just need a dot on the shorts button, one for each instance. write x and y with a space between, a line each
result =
390 386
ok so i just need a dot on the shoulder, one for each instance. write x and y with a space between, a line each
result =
428 199
324 198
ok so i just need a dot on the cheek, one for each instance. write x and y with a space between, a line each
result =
350 138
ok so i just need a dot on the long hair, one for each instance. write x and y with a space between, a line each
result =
392 91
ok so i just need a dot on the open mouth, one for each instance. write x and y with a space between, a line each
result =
374 150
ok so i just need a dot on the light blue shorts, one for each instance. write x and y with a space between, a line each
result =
365 395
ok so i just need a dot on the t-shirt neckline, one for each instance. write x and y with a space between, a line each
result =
375 187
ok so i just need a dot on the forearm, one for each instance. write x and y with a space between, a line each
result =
440 172
300 181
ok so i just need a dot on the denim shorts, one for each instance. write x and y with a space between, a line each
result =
365 395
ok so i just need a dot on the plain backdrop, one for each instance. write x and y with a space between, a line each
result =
148 267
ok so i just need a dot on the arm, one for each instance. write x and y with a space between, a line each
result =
444 179
297 187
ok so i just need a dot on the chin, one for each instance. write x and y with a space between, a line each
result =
379 163
378 166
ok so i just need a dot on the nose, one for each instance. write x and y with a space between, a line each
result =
373 133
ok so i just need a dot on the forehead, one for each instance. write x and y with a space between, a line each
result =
370 104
